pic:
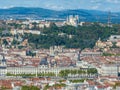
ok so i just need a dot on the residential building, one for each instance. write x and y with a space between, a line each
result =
109 70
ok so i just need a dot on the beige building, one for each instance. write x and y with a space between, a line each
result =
72 20
44 24
101 44
20 31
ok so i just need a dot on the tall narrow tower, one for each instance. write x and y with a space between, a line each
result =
109 19
79 52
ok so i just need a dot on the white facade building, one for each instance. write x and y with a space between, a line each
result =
72 20
109 70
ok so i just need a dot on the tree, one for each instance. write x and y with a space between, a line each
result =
5 42
92 71
82 36
14 42
30 88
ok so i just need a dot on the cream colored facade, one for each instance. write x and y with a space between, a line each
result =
14 32
33 70
72 20
44 24
101 44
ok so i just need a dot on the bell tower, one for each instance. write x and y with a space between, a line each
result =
79 52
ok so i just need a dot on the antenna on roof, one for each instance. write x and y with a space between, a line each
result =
109 19
97 18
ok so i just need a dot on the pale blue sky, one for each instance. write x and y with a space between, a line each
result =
105 5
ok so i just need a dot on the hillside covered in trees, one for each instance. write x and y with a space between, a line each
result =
72 37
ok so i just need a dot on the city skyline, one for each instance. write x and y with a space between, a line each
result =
106 5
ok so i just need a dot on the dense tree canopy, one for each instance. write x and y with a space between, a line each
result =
70 36
30 88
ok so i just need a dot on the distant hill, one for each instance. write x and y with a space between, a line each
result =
40 13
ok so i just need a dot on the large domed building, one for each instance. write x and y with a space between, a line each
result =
43 63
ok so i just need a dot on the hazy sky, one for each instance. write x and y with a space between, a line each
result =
105 5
